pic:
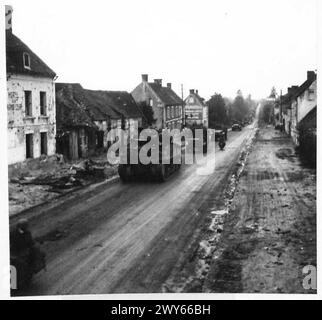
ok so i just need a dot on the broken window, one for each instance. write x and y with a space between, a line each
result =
29 145
26 60
43 143
43 103
28 103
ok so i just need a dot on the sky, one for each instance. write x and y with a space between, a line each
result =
213 46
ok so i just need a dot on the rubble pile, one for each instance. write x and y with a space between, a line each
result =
39 180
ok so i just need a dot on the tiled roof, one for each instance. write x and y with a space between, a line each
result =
70 111
287 98
15 49
121 102
165 94
304 86
98 104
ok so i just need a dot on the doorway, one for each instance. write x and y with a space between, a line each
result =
29 145
43 143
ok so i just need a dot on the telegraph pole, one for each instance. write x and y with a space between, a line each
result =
182 107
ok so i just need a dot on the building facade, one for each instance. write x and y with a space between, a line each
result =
297 104
30 101
85 117
166 105
196 111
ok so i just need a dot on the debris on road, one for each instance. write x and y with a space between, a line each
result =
40 180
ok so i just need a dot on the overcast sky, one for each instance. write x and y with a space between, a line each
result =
214 46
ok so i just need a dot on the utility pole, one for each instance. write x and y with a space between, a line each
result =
281 114
182 107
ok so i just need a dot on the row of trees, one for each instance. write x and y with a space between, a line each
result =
223 111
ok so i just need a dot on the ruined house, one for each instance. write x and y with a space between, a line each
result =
84 118
30 101
76 131
166 104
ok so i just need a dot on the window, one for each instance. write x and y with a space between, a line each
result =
172 111
150 102
28 103
168 112
29 145
311 94
191 100
26 60
43 143
43 103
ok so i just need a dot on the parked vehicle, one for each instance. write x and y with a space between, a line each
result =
236 127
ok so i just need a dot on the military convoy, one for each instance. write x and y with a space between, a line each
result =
162 170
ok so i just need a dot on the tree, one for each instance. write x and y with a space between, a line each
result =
217 110
147 112
239 108
266 112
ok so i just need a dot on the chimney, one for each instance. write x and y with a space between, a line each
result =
192 91
145 78
169 85
9 18
196 91
158 81
311 75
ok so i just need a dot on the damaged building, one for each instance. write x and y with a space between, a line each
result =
30 100
84 118
76 132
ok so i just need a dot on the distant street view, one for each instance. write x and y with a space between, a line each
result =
156 187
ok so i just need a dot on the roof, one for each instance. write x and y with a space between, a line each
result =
196 95
124 103
286 98
165 94
70 111
98 103
15 49
304 86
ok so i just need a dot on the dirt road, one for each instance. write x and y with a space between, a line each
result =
129 237
269 235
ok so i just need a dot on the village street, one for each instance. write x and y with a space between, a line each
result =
128 237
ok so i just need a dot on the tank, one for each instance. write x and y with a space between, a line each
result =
156 172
